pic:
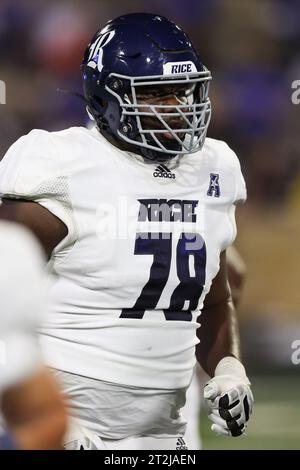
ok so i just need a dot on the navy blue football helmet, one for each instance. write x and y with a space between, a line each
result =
140 55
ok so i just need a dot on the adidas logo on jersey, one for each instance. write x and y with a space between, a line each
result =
161 171
180 444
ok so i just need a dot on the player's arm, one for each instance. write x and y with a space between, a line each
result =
236 270
34 413
48 228
228 394
219 336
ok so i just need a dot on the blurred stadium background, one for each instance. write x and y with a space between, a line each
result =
252 49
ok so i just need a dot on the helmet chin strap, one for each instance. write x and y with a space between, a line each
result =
158 156
150 154
154 155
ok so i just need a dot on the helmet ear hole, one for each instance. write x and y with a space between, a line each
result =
100 101
112 115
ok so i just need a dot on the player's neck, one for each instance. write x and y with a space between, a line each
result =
126 147
118 143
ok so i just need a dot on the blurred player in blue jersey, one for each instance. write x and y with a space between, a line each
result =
31 405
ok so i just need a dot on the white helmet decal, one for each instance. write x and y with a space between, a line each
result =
97 48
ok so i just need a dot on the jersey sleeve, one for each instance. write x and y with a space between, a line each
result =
33 169
238 194
22 293
241 191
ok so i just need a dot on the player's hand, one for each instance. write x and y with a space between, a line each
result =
229 398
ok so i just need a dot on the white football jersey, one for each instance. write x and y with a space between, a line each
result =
142 250
21 273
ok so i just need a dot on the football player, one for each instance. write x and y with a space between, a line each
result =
30 401
135 216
